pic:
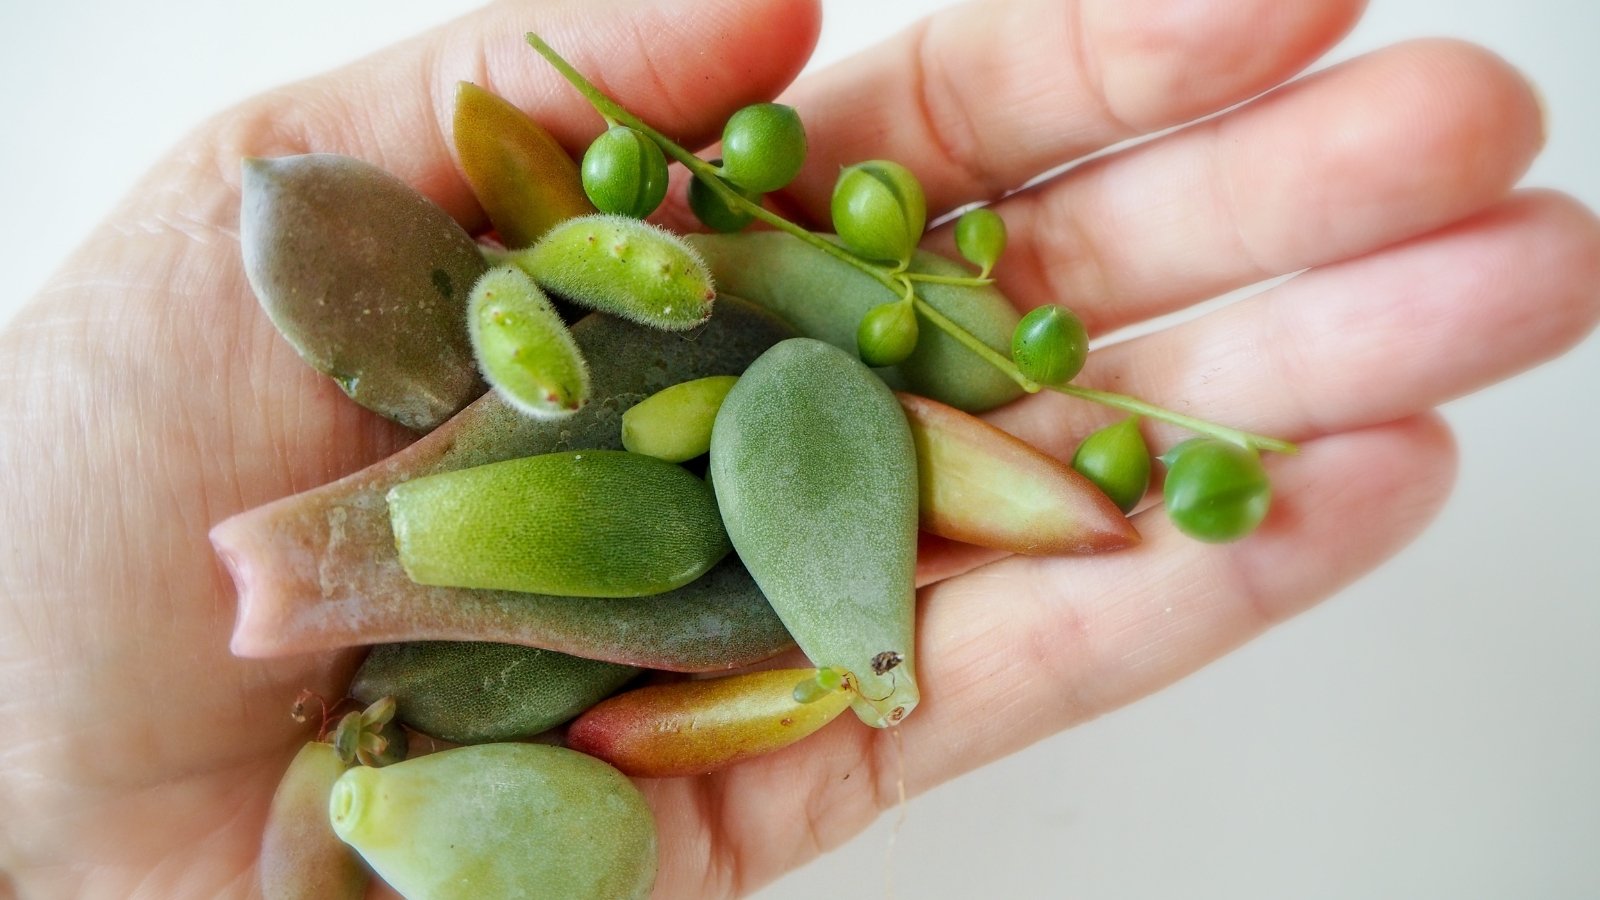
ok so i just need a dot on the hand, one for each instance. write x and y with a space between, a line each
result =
144 755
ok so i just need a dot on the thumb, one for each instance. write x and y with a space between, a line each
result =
683 65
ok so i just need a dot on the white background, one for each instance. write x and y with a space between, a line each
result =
1433 731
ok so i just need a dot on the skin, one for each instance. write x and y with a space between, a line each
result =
114 614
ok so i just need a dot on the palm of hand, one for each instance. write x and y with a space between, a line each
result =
145 754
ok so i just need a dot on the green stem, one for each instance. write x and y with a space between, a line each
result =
1199 426
899 282
961 280
968 340
704 170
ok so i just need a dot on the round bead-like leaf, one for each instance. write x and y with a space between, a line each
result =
625 173
981 237
763 147
888 334
1216 491
1050 345
879 210
1117 460
714 212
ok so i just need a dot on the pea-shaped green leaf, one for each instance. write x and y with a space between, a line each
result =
981 238
625 267
888 334
1215 490
625 173
586 523
301 857
500 820
817 482
1050 345
713 211
523 347
1117 460
366 278
319 570
523 179
674 423
472 692
763 147
825 298
879 210
695 727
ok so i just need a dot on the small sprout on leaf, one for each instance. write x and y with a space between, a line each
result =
371 737
825 682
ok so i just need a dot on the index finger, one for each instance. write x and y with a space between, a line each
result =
982 97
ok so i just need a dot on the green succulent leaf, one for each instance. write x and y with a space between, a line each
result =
1050 345
879 210
763 147
625 173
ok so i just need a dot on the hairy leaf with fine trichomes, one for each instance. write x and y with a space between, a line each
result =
625 267
523 347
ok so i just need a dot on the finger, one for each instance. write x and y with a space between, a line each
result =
1026 647
1362 342
164 281
684 65
1371 152
982 97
